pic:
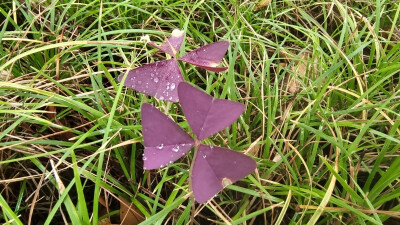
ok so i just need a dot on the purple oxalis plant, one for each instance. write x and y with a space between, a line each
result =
161 79
165 141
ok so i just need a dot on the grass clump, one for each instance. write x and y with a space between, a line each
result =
320 81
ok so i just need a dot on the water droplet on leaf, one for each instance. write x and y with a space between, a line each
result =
176 148
156 80
172 86
160 146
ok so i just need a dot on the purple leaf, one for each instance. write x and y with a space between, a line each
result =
163 139
172 44
215 167
206 115
159 79
208 56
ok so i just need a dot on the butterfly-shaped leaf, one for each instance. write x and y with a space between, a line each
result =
164 140
159 79
206 115
216 167
208 56
172 44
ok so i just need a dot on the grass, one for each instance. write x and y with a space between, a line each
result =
320 81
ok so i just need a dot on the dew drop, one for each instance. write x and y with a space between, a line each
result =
160 146
162 165
172 86
183 144
161 97
170 162
152 75
156 80
176 148
132 79
211 147
144 158
170 98
204 156
183 153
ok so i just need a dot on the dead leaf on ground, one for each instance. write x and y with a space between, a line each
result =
5 75
261 4
301 67
105 221
129 213
254 148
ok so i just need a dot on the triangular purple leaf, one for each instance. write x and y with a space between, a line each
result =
206 115
216 167
164 140
208 56
172 44
159 79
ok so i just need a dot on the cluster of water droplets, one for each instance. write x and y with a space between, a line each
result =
165 93
144 157
211 148
167 164
176 149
